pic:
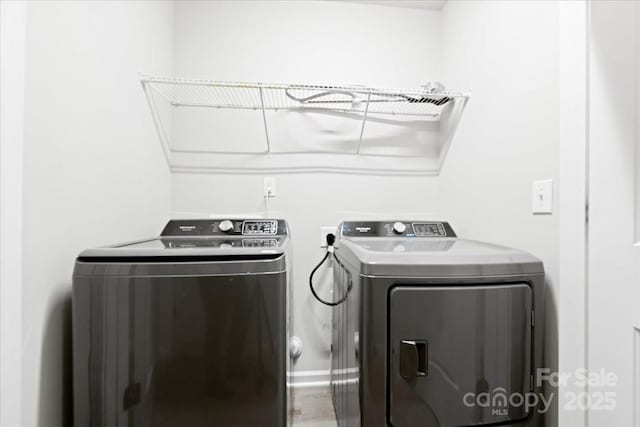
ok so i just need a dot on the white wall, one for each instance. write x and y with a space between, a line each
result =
306 42
94 172
614 264
638 133
507 52
12 50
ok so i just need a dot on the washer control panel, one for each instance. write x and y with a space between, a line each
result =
182 243
267 227
397 229
226 227
429 229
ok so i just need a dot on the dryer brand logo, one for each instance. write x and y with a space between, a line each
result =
363 229
186 228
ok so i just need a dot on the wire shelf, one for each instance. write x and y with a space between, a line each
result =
269 96
430 103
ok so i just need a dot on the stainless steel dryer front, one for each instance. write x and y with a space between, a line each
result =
186 329
436 331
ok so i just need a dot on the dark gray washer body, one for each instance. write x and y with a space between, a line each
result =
429 320
182 331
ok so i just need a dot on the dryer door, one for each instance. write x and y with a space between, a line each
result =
459 356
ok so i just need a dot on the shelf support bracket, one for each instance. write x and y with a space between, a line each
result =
162 134
364 121
264 120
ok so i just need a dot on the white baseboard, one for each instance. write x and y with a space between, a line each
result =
309 378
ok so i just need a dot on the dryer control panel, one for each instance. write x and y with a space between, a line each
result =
397 229
226 227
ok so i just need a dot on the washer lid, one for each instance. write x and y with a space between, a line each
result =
184 240
191 248
434 257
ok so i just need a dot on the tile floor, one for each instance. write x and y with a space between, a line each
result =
313 408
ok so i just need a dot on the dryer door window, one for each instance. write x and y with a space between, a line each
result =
459 356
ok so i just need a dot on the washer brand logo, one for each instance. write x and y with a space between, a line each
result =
363 229
187 227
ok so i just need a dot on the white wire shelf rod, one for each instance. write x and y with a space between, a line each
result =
301 107
295 152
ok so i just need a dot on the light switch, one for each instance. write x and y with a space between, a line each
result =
269 189
542 197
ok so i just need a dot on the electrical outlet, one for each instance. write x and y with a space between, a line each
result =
542 197
323 235
269 187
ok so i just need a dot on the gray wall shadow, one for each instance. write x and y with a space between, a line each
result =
551 347
55 400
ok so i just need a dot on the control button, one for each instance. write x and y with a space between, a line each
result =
225 226
399 227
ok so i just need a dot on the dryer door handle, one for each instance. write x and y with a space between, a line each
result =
414 359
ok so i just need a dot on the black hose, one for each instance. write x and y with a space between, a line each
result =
330 240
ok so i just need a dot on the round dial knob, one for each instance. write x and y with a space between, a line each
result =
225 226
399 227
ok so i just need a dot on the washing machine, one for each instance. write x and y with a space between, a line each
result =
186 329
434 330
